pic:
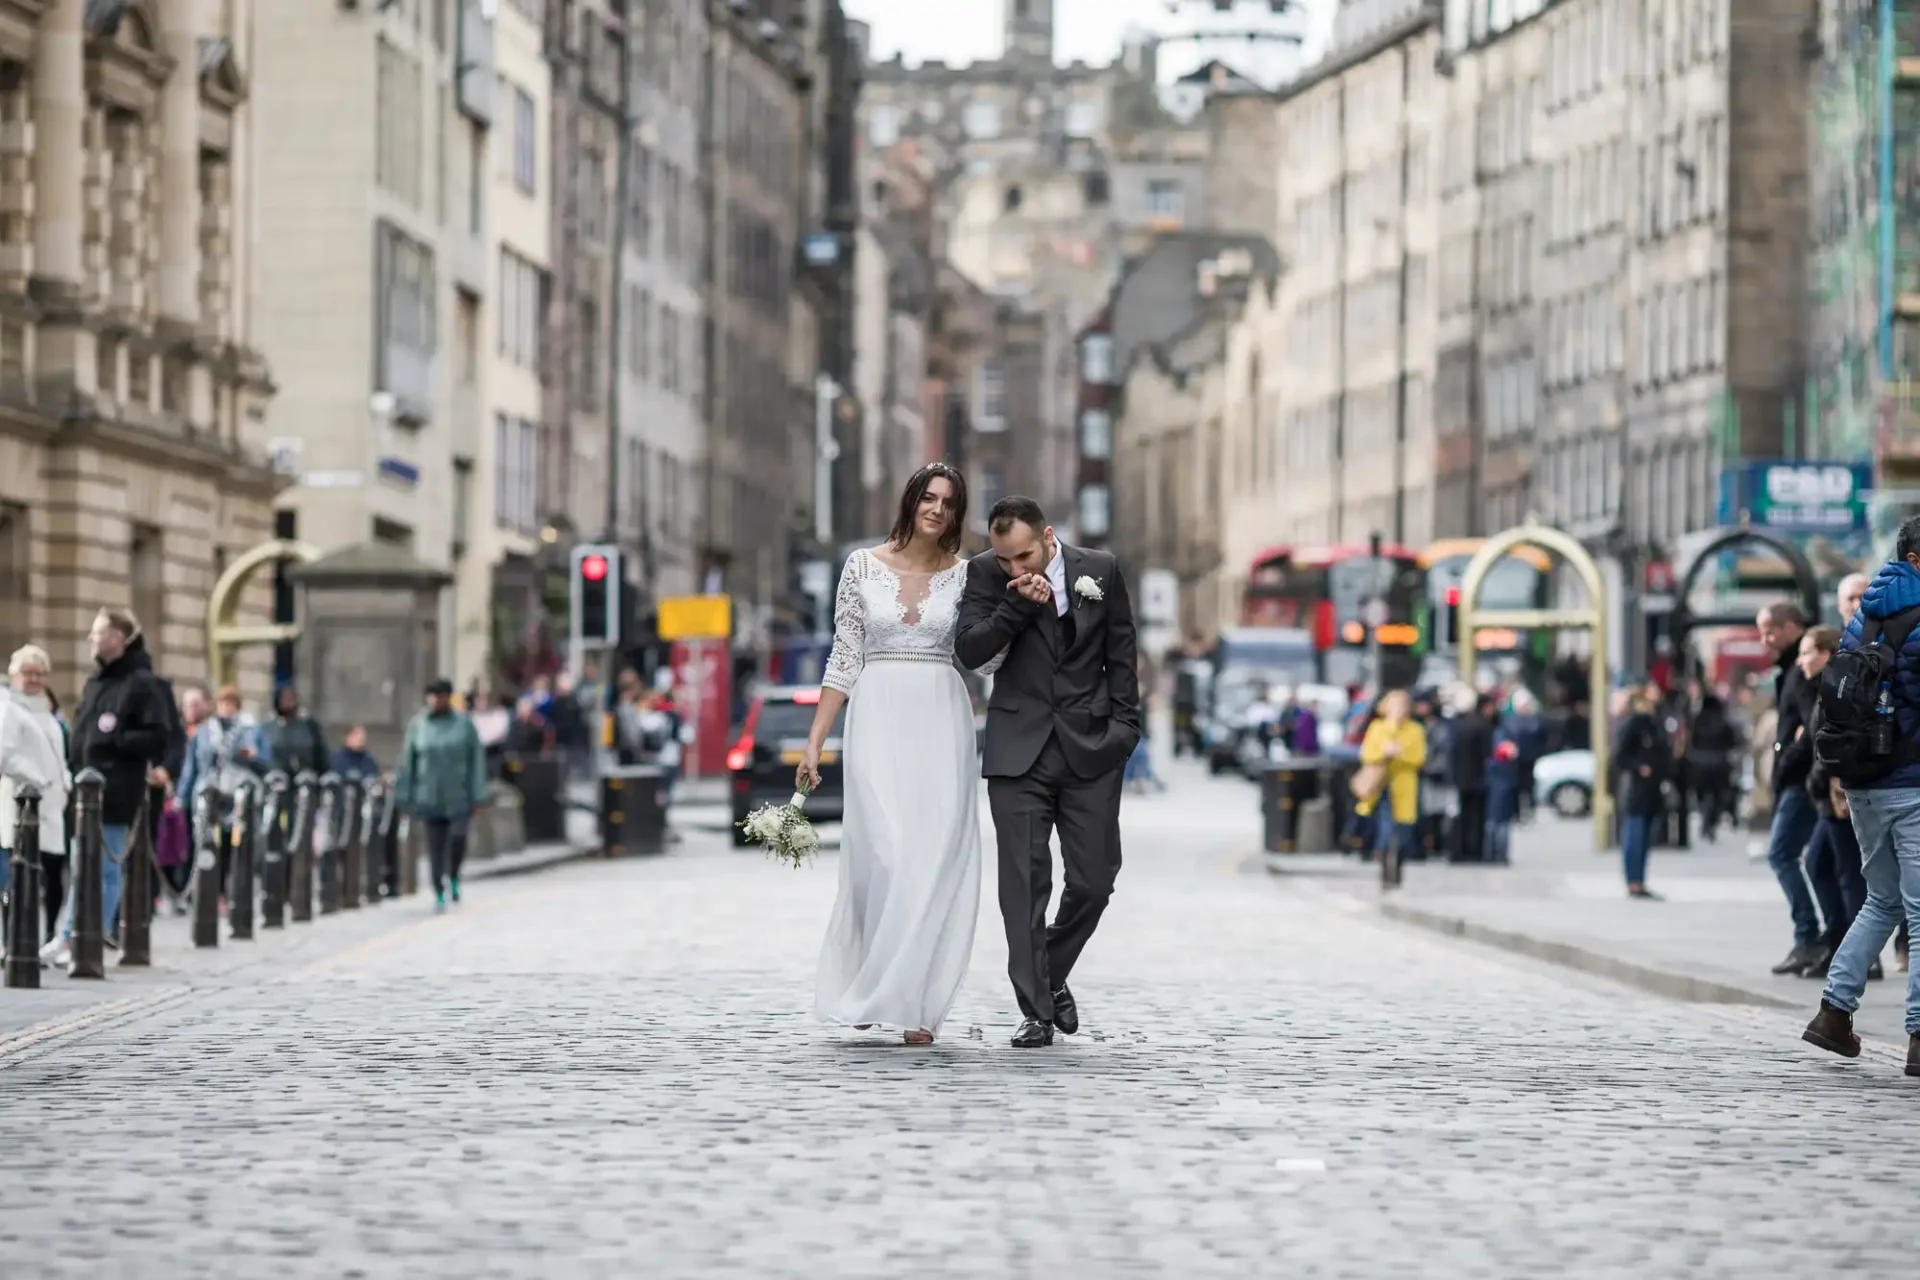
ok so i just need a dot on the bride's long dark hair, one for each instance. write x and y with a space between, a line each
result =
910 507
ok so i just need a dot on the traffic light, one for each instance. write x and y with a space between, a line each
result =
1450 621
597 574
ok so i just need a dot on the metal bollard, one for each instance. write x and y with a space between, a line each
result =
406 853
136 892
351 852
23 906
373 857
327 846
206 868
273 853
89 850
306 808
240 853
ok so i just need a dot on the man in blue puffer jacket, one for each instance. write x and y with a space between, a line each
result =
1886 817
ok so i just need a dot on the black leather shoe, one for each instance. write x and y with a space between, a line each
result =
1913 1054
1033 1034
1066 1014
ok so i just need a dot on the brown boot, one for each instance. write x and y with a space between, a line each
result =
1832 1030
1913 1054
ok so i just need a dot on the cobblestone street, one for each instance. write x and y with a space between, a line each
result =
611 1069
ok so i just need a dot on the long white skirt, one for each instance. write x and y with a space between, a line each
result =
901 935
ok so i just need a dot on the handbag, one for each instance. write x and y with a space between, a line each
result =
171 846
1368 781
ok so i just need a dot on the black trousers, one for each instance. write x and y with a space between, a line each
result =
1470 833
446 848
1026 812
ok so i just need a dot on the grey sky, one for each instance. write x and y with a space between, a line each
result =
1091 30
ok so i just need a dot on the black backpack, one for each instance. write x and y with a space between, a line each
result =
1852 740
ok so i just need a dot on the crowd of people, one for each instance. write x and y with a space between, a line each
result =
163 750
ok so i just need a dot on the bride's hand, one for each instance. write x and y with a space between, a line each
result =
807 776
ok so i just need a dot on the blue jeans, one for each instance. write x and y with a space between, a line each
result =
1833 869
1888 824
1636 837
113 853
1499 840
1793 821
1388 834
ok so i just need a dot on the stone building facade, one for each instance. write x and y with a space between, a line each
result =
1352 440
134 386
376 269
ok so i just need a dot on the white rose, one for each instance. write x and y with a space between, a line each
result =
1087 589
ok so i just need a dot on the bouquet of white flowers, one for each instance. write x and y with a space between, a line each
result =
783 831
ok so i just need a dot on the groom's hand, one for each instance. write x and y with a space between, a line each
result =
1033 586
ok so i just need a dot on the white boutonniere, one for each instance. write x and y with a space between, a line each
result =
1087 589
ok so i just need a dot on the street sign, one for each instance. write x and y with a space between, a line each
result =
1798 497
696 617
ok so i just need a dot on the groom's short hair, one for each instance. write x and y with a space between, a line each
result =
1012 510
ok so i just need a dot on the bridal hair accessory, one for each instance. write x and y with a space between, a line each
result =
783 831
1087 589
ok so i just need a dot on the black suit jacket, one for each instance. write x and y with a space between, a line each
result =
1087 692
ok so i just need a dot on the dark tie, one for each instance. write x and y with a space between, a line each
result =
1067 630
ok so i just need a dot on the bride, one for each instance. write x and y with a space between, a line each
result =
901 934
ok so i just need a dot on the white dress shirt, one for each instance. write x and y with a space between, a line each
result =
1057 579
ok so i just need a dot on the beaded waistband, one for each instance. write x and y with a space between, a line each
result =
910 656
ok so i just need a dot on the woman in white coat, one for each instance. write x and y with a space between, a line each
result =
33 752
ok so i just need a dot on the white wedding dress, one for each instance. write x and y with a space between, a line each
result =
901 934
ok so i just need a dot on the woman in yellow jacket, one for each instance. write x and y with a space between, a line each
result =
1398 743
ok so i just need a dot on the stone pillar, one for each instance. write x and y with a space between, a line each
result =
59 118
180 164
64 363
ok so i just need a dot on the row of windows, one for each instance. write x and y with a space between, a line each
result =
756 389
659 185
524 291
1505 257
1313 437
1455 295
1506 128
1679 329
760 133
1585 48
526 142
399 149
516 473
670 54
1683 178
1373 314
1510 396
1585 337
1586 192
656 493
760 267
1685 33
663 345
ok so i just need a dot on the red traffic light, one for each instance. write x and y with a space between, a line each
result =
1453 597
593 568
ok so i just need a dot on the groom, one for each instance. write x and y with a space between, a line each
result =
1063 718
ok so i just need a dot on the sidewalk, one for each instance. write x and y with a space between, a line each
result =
1722 926
63 1005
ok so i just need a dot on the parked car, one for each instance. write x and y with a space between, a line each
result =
772 739
1563 782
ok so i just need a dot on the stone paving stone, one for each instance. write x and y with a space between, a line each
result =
611 1070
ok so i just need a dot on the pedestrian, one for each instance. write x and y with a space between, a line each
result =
1643 757
1833 852
352 760
1781 625
1504 786
1471 749
1878 765
33 753
121 728
442 781
291 742
1389 782
1713 748
1528 730
225 748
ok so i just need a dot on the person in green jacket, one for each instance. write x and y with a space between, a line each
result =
442 782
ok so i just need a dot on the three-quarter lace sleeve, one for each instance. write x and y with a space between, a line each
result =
997 661
849 629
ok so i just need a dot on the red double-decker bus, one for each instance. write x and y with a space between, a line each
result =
1324 591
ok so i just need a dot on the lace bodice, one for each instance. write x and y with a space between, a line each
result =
886 613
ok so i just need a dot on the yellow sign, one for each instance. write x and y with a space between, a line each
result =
696 617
